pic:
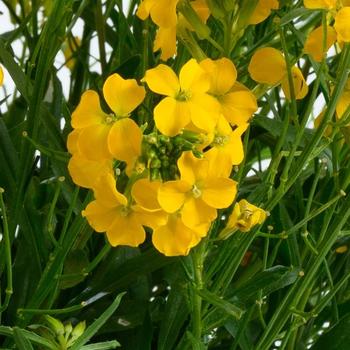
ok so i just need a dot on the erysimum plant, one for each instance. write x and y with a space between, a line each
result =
174 174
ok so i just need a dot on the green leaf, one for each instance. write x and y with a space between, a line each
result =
21 341
337 338
94 327
102 346
297 12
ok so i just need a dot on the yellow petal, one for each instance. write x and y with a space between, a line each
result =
92 142
166 42
126 230
105 192
171 116
172 195
238 106
122 95
219 192
342 24
300 87
162 80
72 141
193 78
223 74
314 42
205 111
145 194
263 10
124 140
163 13
145 8
1 76
220 162
100 218
85 172
174 238
196 212
267 66
192 169
88 111
343 103
153 219
320 4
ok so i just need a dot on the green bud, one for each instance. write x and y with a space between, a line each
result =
216 9
79 329
155 163
55 324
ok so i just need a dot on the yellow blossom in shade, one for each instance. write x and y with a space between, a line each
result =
263 10
1 76
344 101
162 12
110 212
187 98
320 4
237 104
198 193
245 216
342 24
267 66
314 43
300 87
122 96
166 42
69 48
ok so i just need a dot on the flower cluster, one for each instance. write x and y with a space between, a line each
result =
172 174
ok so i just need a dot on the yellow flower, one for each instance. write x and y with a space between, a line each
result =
162 12
187 98
320 4
97 139
245 216
84 172
342 24
314 43
1 76
237 104
344 101
166 42
227 148
263 10
268 66
198 193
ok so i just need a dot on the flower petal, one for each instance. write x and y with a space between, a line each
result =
263 10
192 169
267 66
163 13
222 72
166 42
126 230
92 142
100 218
196 212
193 78
342 24
320 4
152 219
300 87
171 116
85 172
144 8
88 111
122 95
314 42
1 76
105 192
220 161
72 141
172 195
145 194
174 238
162 80
124 140
219 192
238 107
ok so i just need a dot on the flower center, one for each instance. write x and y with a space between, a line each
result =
183 96
196 191
111 118
220 140
124 211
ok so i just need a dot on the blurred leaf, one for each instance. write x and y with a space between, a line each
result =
21 341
